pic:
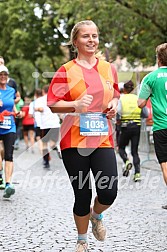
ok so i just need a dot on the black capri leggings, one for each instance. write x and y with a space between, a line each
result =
102 163
8 141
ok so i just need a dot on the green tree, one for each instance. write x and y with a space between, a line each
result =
33 32
30 38
130 28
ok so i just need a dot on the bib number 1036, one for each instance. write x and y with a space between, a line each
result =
93 124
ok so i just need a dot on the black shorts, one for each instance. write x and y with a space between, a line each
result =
37 132
50 134
160 144
28 127
8 142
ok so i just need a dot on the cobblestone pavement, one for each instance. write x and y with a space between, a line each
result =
38 218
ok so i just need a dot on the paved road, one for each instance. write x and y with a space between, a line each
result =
38 218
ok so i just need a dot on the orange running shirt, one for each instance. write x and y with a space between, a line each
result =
70 83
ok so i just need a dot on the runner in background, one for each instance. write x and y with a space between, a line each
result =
33 113
7 131
130 122
49 127
12 83
28 126
18 121
154 86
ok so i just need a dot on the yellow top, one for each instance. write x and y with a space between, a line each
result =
130 110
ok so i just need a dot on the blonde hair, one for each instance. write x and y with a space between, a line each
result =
76 28
161 51
100 55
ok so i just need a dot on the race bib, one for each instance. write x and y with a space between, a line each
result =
6 124
93 124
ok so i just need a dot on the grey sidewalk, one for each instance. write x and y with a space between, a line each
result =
38 218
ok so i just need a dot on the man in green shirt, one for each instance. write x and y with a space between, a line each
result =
154 85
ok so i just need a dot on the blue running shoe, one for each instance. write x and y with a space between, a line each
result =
9 190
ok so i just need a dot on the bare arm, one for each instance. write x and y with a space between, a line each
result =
141 103
112 108
31 115
19 114
72 106
40 109
63 107
18 97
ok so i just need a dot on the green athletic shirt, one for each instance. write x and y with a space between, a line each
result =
154 85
